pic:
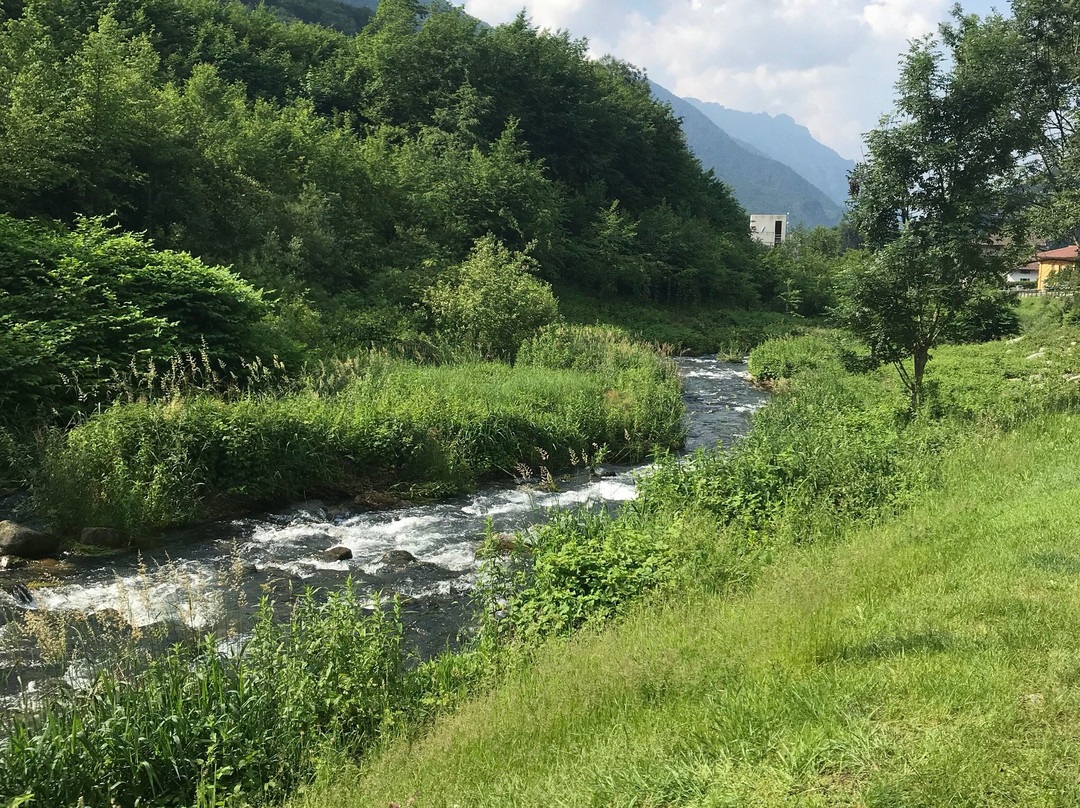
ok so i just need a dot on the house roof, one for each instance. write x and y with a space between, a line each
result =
1064 254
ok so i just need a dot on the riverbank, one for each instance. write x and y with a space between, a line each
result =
835 457
816 600
926 660
575 395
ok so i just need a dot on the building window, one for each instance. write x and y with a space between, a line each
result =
778 232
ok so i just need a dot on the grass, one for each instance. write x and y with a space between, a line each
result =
853 608
149 464
688 329
926 661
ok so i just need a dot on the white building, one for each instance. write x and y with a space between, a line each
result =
768 228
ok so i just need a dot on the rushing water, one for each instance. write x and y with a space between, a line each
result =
187 582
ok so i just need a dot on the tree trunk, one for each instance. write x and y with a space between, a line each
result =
921 357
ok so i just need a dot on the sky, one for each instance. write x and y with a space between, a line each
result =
829 64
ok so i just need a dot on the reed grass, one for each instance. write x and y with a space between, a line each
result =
147 464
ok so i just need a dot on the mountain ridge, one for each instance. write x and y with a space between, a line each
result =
761 183
783 138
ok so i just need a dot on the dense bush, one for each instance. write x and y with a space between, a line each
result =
492 301
78 307
782 358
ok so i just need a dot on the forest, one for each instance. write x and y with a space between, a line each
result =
306 187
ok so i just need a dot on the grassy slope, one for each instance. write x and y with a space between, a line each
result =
929 661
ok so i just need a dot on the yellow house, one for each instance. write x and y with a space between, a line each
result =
1053 260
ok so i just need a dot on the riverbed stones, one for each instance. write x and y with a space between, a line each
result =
338 553
107 537
11 562
50 568
24 542
498 544
378 500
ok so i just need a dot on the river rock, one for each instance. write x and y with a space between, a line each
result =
601 473
51 568
338 553
378 500
25 542
22 594
314 509
498 543
11 562
397 559
103 537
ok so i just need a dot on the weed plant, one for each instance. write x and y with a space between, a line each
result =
833 449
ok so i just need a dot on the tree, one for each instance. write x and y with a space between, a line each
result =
941 180
1045 37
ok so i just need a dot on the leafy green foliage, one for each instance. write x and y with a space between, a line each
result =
782 358
941 180
148 464
80 307
492 301
309 159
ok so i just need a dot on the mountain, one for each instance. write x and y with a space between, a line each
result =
761 183
781 138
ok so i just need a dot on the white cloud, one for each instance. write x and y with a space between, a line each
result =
829 64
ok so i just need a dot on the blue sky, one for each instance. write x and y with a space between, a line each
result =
829 64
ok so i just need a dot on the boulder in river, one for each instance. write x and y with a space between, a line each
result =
397 559
103 537
338 553
22 594
24 542
498 544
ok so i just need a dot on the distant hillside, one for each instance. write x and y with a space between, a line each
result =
783 139
347 16
761 183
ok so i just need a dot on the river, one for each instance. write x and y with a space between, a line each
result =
195 580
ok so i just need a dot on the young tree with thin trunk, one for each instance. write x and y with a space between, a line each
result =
940 184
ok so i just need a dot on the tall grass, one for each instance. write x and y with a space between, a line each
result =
198 726
613 716
148 464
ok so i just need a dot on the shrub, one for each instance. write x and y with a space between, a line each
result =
492 301
80 306
784 357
